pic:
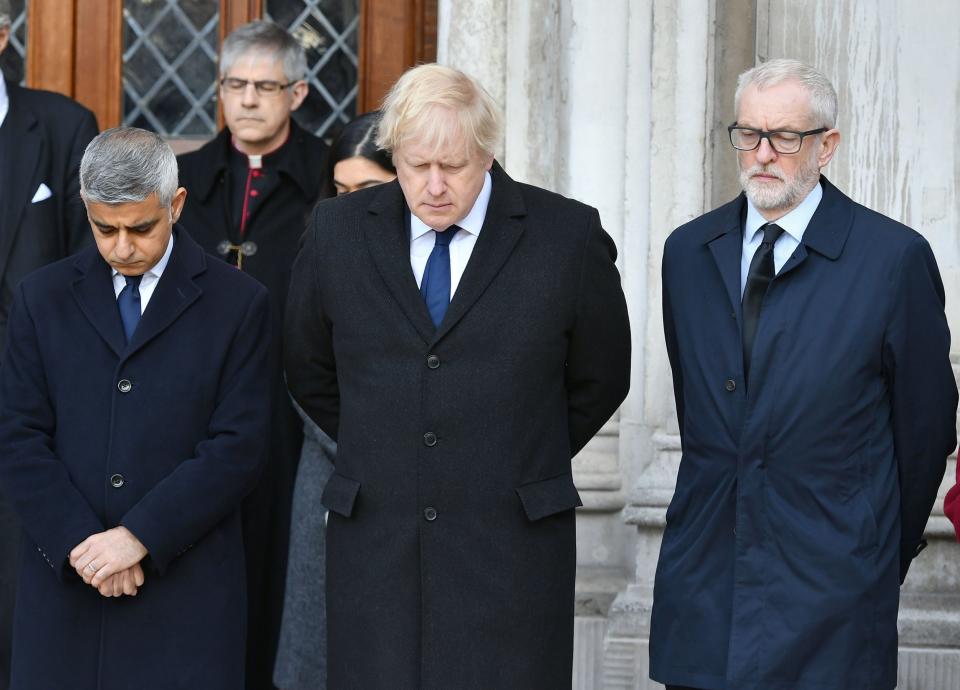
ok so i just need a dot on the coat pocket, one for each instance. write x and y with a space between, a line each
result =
340 494
548 496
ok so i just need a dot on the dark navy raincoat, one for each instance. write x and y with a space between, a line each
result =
801 502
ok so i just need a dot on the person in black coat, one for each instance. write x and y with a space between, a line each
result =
354 163
42 137
252 188
127 448
461 336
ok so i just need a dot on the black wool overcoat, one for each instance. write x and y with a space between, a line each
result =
451 547
276 228
165 436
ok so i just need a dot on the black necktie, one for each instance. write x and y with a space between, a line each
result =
758 278
435 285
129 303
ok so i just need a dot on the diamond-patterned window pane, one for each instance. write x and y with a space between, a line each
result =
169 66
327 30
14 57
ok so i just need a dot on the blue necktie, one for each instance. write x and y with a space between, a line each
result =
435 286
129 303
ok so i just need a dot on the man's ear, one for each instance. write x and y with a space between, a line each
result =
299 92
829 141
4 38
176 207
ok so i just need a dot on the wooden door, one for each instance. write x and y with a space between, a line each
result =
151 63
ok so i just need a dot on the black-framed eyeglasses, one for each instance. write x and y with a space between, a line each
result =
781 140
263 87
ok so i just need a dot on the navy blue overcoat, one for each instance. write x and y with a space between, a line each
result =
799 503
165 436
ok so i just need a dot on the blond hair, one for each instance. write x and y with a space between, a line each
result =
417 105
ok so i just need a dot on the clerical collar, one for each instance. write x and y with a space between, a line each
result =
258 161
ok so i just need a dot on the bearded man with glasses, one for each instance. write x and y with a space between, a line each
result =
816 407
251 189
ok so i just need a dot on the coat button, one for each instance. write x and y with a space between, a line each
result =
430 514
124 386
730 385
429 439
433 362
117 481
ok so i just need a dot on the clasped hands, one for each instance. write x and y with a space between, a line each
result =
110 562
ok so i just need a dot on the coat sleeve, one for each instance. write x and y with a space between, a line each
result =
309 360
54 513
207 487
598 358
923 392
76 229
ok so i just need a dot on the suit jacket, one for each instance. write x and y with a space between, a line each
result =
165 436
801 502
450 548
42 140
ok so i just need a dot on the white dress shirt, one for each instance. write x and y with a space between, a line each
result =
423 237
794 224
149 281
4 100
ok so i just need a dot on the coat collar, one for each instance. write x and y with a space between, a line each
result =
292 163
826 235
388 241
176 290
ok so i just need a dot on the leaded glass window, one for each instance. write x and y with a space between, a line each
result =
327 30
15 55
169 66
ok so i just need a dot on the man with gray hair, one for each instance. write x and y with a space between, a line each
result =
816 407
135 406
251 189
462 336
42 137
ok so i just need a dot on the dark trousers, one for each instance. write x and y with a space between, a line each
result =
9 562
680 687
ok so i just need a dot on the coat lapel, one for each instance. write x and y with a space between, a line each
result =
175 291
500 234
388 240
827 232
93 290
726 246
23 148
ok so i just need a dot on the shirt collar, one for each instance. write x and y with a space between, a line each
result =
472 222
160 266
4 100
794 223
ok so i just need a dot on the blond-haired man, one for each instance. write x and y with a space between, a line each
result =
462 336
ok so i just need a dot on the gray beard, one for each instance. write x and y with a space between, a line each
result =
767 197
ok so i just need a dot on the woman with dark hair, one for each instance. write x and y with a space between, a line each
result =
354 163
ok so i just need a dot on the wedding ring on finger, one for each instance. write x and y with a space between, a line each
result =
91 567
